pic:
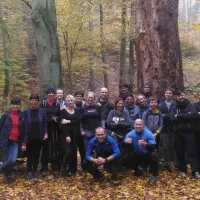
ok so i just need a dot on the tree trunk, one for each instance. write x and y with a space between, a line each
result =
91 27
47 45
158 52
123 43
5 37
103 53
132 46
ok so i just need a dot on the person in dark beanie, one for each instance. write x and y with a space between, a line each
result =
12 137
36 129
124 91
183 115
51 145
147 92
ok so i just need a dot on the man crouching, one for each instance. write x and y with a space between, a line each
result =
102 152
143 150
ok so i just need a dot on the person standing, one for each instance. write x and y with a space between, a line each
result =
52 111
70 120
36 129
142 105
91 118
167 134
12 137
59 98
105 105
183 115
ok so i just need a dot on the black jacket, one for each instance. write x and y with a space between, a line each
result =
183 115
167 123
197 106
6 126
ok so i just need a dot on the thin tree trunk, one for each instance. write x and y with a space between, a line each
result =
103 53
123 43
5 37
47 45
91 29
158 52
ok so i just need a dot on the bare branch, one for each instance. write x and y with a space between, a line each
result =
27 3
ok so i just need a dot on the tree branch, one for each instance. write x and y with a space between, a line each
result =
27 3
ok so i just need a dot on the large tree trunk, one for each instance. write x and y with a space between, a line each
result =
158 52
47 46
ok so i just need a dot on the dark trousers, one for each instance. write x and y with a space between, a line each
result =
81 147
168 148
92 168
133 160
50 147
198 148
186 143
33 153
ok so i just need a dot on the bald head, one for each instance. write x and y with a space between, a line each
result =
104 93
139 125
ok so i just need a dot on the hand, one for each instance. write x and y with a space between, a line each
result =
142 142
116 122
82 133
155 135
64 121
45 136
55 119
23 147
198 112
99 105
101 161
128 141
68 139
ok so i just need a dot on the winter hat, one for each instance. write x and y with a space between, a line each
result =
50 90
147 85
34 96
15 101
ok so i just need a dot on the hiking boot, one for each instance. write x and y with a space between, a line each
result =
182 174
36 175
138 172
30 176
153 180
115 181
9 179
43 173
196 175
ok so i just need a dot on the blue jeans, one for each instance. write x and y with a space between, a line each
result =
9 155
88 136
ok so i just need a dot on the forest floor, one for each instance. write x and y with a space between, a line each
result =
83 186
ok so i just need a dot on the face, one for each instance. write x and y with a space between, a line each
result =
123 89
168 95
90 99
100 135
51 96
129 101
15 107
120 105
59 94
141 100
104 93
34 103
146 89
78 98
70 102
138 125
180 97
153 104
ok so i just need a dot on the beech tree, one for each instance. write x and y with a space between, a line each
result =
158 53
47 46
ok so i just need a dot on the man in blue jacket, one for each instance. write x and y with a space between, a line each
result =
102 152
143 152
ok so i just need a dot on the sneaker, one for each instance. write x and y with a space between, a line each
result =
196 175
30 176
36 175
153 180
43 173
182 174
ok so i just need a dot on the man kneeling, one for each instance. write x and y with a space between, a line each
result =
102 152
143 150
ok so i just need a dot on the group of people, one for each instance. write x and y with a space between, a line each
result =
115 137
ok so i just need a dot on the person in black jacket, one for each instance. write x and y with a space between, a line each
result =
183 114
167 134
52 110
197 130
12 137
105 105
